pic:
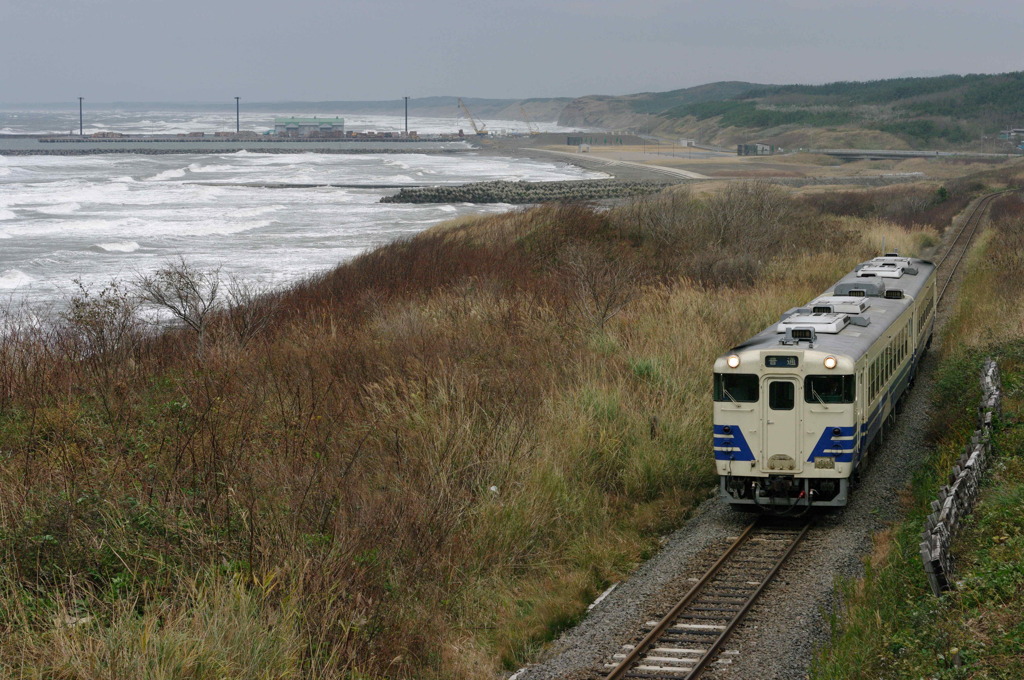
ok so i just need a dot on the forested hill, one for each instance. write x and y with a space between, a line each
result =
943 111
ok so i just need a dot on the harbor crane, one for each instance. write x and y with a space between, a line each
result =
481 128
529 123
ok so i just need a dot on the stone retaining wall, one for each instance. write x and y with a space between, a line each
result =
957 499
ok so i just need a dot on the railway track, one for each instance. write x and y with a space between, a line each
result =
960 244
683 643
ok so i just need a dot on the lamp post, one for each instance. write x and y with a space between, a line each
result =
238 125
80 132
406 116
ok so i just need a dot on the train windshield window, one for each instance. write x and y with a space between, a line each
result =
829 389
780 395
736 387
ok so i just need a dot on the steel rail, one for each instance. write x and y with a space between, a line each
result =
974 221
666 622
731 626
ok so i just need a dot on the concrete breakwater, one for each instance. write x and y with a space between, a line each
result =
27 145
526 192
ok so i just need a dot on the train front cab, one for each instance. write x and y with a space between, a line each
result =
785 437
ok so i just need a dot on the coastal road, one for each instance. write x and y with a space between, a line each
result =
598 161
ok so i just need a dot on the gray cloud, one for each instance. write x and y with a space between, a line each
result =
206 50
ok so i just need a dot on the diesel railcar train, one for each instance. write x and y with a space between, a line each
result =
800 406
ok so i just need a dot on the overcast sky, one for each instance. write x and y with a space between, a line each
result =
210 50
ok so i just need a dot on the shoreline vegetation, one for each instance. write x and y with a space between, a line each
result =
423 463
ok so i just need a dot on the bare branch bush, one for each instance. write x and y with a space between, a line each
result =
748 214
250 308
101 332
26 350
190 294
104 323
662 218
601 283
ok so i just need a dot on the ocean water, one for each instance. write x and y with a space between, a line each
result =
34 122
97 218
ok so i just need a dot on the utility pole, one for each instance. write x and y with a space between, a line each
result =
406 116
80 132
238 125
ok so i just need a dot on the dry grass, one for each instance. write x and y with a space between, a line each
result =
420 464
221 627
996 311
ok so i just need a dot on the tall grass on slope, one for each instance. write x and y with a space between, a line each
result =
435 453
213 627
992 297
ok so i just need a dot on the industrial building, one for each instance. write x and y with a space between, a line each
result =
310 127
756 149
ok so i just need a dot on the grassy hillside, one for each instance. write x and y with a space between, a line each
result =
642 110
938 112
421 464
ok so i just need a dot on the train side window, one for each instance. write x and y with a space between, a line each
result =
781 395
829 389
740 387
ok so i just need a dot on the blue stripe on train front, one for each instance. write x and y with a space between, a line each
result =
840 445
734 442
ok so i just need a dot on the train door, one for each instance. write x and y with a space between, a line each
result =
782 415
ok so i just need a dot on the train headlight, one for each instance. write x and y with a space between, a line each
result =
733 360
830 362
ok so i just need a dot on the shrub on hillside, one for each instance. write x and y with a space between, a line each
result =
907 206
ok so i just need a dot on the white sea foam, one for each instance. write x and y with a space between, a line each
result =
173 173
14 278
85 216
116 247
60 209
